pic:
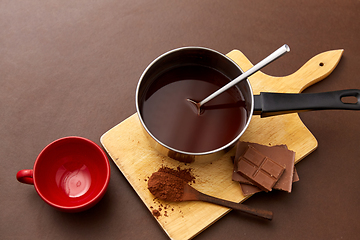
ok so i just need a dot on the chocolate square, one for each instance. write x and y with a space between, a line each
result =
278 153
259 169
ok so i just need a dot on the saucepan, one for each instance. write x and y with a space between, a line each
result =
175 129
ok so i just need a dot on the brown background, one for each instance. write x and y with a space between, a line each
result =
71 68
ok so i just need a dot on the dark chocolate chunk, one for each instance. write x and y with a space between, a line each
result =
259 169
248 189
278 153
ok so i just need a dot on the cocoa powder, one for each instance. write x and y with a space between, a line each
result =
184 174
166 186
169 188
156 213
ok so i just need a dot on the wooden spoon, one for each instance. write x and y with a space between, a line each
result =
168 187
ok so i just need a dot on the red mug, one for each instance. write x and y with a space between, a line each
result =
70 174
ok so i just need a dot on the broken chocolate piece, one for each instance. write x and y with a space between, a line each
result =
296 176
248 189
260 169
278 153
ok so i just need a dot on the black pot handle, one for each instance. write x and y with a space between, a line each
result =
270 104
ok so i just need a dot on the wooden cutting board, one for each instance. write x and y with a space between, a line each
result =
127 145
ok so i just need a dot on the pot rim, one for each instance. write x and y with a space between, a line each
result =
232 142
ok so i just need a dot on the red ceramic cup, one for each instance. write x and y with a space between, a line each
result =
70 174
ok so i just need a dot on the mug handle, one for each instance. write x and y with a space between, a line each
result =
25 176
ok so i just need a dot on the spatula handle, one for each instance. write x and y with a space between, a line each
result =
238 206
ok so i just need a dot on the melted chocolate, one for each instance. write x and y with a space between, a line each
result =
174 121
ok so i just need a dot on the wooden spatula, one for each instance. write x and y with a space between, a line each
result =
168 187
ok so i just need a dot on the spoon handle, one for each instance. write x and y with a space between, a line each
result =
236 206
275 55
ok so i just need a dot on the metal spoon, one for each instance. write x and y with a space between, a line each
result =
163 185
275 55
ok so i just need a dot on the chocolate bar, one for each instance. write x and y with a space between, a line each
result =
278 153
249 189
260 169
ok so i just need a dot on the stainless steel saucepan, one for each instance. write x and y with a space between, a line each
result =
265 104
